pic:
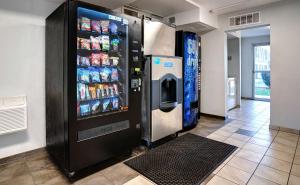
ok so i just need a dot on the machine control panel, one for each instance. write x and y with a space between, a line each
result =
136 84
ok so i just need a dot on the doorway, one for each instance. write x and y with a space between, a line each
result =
261 72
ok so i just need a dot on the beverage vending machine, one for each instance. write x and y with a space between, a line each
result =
93 85
187 47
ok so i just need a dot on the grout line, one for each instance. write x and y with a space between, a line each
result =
293 160
261 160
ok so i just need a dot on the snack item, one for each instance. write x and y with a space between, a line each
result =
95 106
104 26
78 60
95 42
104 59
87 92
100 91
106 91
78 109
115 103
78 24
105 74
85 109
111 90
78 43
96 26
93 93
114 74
114 60
115 44
84 61
105 105
113 28
115 89
94 74
85 24
83 75
81 90
105 42
96 59
85 44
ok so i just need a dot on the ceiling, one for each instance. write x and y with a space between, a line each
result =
159 7
226 6
254 32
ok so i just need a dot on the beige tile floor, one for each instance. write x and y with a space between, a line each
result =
267 157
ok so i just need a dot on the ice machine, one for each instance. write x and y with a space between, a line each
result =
161 97
93 85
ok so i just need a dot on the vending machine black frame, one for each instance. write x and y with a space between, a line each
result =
62 123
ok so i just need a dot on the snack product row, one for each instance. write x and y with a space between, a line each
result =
98 26
97 59
97 91
97 75
97 106
100 43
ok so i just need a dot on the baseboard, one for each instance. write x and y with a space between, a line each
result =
283 129
247 98
214 116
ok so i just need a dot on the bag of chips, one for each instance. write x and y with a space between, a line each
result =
113 28
78 24
85 61
83 75
78 43
105 105
85 44
106 91
116 89
100 91
81 89
104 59
104 26
78 60
95 106
87 92
94 75
115 44
95 42
114 74
85 109
114 60
105 74
115 103
96 27
105 42
96 59
85 24
93 93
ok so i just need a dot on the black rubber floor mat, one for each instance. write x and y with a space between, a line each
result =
186 160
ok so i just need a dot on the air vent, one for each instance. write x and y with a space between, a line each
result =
172 20
13 114
130 12
245 19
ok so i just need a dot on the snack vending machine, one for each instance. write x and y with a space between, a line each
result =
187 46
93 85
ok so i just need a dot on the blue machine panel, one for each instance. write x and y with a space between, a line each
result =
190 68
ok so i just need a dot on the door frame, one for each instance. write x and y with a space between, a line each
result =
253 70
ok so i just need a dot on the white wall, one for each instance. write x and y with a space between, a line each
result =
283 18
22 70
213 73
248 62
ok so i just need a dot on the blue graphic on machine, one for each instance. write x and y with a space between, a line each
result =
190 78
